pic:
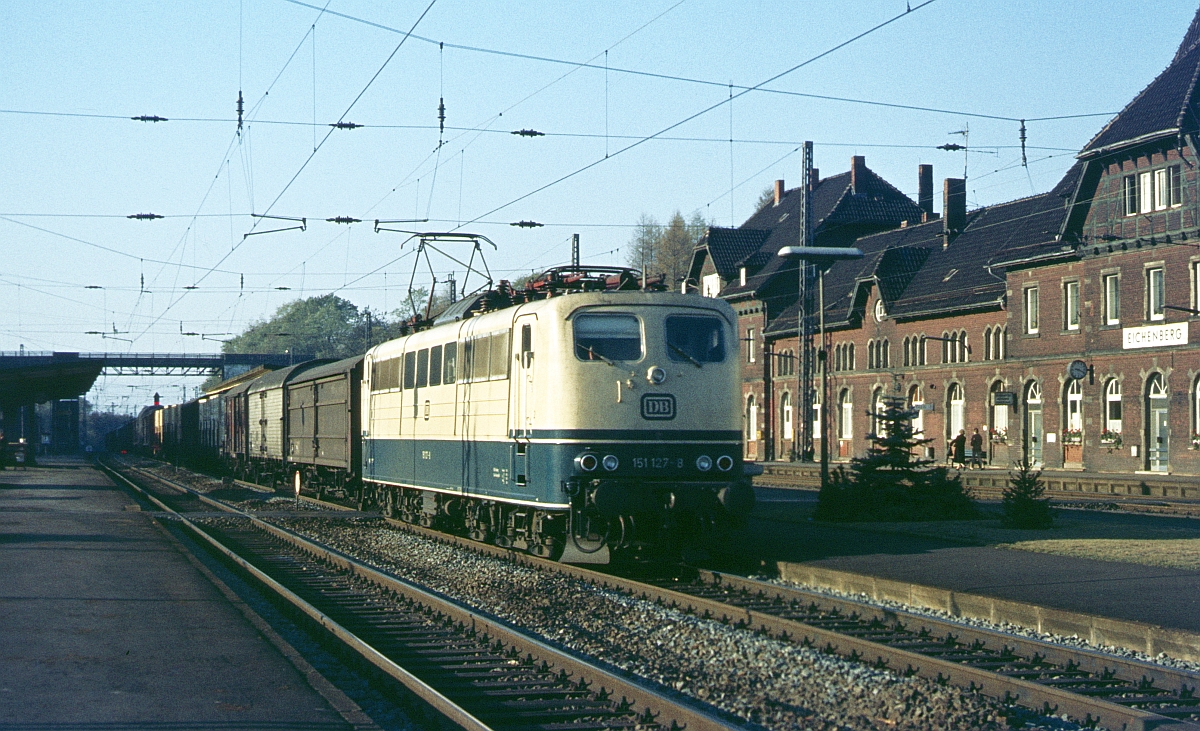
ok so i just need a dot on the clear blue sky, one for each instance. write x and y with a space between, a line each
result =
67 182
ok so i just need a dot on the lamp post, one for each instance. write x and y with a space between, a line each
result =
822 257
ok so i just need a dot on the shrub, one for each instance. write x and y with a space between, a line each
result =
891 483
1024 503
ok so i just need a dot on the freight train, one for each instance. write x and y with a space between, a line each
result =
580 416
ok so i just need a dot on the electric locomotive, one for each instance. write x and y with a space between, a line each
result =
568 426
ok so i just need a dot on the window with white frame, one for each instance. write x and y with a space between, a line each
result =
845 415
1145 192
749 345
1074 421
957 410
785 408
1112 407
711 285
1112 299
1031 310
1175 179
1196 285
915 401
1155 295
1162 190
751 419
1129 195
999 414
816 413
878 425
1196 412
1071 300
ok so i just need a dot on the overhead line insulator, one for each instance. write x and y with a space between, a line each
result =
343 219
149 118
345 125
527 224
952 147
528 133
143 216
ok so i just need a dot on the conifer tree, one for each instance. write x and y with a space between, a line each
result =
892 483
1024 503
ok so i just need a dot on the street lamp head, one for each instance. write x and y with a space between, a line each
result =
821 253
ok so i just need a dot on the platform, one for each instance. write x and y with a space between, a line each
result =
975 580
107 624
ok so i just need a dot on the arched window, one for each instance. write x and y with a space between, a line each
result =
886 352
907 360
945 347
999 426
871 362
921 350
1033 423
964 351
987 343
1112 409
751 419
1157 412
877 424
785 414
845 415
1000 337
955 410
1073 421
915 400
850 357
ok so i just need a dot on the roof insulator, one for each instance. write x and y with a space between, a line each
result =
527 224
345 125
149 118
343 219
143 216
528 133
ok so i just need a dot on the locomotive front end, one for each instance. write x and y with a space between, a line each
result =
649 435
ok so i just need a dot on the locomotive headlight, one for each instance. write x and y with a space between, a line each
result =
656 375
587 462
611 462
704 463
724 463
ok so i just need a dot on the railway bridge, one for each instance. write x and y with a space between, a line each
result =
33 377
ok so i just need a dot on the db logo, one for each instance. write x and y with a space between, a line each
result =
658 406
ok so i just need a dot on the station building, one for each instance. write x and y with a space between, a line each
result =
1064 327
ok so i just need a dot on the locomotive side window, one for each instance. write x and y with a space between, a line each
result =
481 348
385 374
499 355
450 363
435 365
422 367
695 339
410 370
608 337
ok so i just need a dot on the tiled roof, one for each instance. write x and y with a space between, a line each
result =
1163 106
838 213
728 247
918 277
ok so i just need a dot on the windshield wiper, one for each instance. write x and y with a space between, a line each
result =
594 354
684 353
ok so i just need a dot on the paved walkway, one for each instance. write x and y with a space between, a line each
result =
779 531
107 625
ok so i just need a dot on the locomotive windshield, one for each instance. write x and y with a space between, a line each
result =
695 339
608 337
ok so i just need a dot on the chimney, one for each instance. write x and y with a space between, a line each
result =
954 208
156 397
925 188
814 178
778 191
858 168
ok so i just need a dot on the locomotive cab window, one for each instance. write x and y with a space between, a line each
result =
608 337
449 363
695 339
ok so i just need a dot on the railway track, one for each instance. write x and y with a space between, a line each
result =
471 670
1092 687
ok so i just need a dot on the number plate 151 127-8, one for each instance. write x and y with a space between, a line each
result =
657 463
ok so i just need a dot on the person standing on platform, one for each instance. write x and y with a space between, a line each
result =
977 449
959 449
